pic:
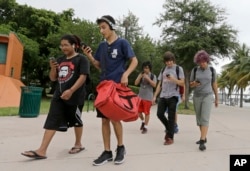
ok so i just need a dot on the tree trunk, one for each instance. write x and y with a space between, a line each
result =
241 97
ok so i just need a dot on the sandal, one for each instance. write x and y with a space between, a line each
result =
75 150
33 154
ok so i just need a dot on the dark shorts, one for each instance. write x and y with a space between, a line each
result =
62 116
100 115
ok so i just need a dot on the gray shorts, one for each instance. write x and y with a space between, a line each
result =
202 107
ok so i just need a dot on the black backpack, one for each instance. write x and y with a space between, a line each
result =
177 73
211 69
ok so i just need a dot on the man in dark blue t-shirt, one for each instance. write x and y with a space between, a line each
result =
110 58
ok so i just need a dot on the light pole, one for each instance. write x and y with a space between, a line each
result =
126 24
151 57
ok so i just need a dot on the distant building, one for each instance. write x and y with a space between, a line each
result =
11 56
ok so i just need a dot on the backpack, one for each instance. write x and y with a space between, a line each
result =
181 88
211 69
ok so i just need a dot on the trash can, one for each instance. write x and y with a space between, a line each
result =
30 101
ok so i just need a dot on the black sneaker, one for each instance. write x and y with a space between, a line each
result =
105 157
120 152
202 146
144 130
198 142
142 125
176 129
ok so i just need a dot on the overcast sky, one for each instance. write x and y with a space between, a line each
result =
146 10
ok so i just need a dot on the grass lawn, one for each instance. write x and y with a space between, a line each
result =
44 108
182 110
45 103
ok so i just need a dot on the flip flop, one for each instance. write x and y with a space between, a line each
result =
34 155
75 150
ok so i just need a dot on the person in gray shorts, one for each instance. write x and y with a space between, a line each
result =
203 81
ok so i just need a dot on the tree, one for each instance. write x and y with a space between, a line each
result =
191 25
128 27
236 73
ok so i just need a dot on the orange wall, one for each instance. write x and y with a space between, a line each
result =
10 72
14 57
3 39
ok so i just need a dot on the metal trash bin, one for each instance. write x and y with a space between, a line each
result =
30 101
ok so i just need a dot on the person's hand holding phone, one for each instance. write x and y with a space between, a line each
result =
53 63
197 82
86 49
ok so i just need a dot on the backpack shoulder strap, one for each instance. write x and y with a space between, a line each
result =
177 71
212 70
195 69
162 70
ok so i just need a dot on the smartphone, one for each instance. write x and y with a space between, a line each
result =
52 59
168 75
198 81
83 45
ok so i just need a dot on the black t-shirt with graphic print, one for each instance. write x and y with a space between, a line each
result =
69 71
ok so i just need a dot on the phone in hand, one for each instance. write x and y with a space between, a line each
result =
197 81
53 59
168 75
83 45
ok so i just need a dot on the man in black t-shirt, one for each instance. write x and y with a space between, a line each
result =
70 71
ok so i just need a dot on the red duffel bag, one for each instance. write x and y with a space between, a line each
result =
117 102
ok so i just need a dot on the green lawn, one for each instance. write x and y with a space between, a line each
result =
45 103
44 108
182 110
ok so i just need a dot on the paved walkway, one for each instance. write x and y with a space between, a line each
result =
228 134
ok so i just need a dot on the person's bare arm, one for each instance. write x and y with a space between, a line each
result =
131 68
53 70
138 79
157 91
79 82
88 52
215 89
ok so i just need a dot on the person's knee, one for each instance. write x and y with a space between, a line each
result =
105 121
160 115
116 123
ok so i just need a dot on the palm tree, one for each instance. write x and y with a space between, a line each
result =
236 73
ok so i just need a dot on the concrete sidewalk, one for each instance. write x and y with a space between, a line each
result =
229 133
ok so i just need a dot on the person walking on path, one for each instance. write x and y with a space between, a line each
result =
168 87
70 71
181 99
147 82
203 81
110 58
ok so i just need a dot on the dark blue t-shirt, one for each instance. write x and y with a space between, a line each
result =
113 59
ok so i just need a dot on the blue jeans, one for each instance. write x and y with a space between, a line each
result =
170 104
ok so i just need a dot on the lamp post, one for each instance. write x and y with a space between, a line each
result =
126 24
151 57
